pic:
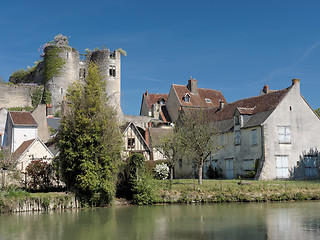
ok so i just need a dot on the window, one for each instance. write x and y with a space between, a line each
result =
208 100
131 142
186 98
248 165
237 138
112 71
254 137
113 55
310 166
61 90
284 134
82 73
236 120
162 102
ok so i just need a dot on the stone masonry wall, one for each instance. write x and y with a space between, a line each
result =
16 95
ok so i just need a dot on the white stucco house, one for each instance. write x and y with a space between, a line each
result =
31 150
277 131
20 127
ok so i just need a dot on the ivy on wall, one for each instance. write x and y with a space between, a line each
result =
52 62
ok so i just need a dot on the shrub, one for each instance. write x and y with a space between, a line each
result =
213 173
161 171
39 171
136 182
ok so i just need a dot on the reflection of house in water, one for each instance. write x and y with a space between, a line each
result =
297 220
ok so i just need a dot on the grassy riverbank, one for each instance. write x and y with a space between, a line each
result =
182 191
16 200
211 191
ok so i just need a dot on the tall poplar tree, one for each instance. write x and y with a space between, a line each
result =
89 140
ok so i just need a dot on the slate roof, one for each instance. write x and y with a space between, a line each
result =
199 100
23 118
152 98
258 109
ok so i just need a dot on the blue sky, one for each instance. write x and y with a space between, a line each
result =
232 46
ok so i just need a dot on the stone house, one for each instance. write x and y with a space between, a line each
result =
153 105
277 131
20 127
191 96
30 150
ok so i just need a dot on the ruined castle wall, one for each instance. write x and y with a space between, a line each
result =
16 95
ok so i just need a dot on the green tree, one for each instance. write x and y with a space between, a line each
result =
197 137
89 140
317 111
139 180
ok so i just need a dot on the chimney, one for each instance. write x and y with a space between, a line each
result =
221 104
265 89
147 134
146 92
295 81
296 84
192 86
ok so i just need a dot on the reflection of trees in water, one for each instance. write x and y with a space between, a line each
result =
297 220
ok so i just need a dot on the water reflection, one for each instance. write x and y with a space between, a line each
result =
298 220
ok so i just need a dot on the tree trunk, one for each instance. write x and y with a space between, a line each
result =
171 176
200 169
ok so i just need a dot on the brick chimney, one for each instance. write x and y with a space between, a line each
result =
147 134
192 86
221 104
265 89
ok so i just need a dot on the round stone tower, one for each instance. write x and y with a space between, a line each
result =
109 64
61 68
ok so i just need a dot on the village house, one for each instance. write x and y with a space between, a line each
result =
191 96
134 141
20 127
31 150
276 131
154 105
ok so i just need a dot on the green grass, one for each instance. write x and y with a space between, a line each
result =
188 190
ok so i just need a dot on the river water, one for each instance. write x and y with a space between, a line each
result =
293 220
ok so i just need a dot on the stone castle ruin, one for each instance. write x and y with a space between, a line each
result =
61 66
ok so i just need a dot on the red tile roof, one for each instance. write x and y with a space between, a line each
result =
23 118
152 98
24 146
199 100
249 106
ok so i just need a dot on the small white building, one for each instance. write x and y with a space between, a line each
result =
31 150
20 127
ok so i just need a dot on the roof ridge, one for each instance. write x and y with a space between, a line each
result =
275 91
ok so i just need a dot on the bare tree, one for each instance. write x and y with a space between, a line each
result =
170 146
7 161
197 137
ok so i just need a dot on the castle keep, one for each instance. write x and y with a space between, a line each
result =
61 66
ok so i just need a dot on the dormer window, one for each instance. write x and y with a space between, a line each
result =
162 102
208 100
186 98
